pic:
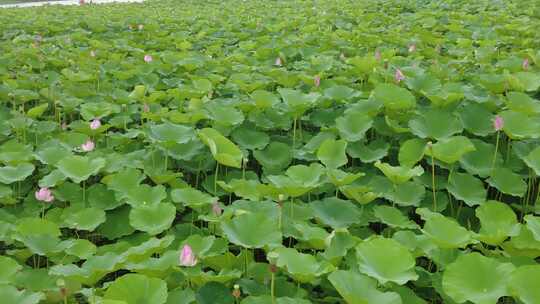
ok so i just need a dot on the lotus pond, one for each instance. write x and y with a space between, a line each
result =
270 152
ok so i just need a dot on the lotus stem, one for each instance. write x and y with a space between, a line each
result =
272 288
215 178
433 178
495 153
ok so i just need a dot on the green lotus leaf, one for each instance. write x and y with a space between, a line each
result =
476 118
143 195
526 81
192 198
309 176
181 296
91 110
136 289
170 132
410 193
411 151
80 248
251 139
214 293
36 226
13 152
80 168
264 99
480 161
11 174
275 157
252 230
8 269
533 224
498 221
84 219
152 219
521 102
523 282
369 153
451 150
225 115
357 288
336 213
399 174
340 178
518 125
10 294
533 160
507 182
435 123
117 224
206 246
332 153
303 267
123 181
444 231
224 151
340 93
476 278
361 194
467 188
393 97
248 189
393 217
395 265
297 101
289 186
353 126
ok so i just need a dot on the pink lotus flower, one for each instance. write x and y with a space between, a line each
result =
146 108
44 195
525 64
498 123
81 2
278 61
399 76
187 257
378 55
412 47
92 53
216 209
148 58
140 27
88 146
95 124
317 81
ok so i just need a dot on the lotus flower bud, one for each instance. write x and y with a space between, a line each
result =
44 195
187 257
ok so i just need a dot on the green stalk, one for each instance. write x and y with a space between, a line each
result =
433 179
495 154
272 288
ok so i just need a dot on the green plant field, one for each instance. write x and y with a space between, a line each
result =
270 152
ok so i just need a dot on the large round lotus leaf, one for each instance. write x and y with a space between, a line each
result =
393 217
13 152
286 185
143 195
527 81
51 155
11 174
476 119
52 179
137 289
80 168
8 268
450 150
181 296
192 198
224 151
124 180
533 160
332 153
395 265
297 101
507 182
476 278
264 99
225 115
102 198
393 97
186 151
444 231
84 219
369 153
252 230
340 93
518 125
498 221
306 175
336 213
521 102
10 294
117 224
251 139
409 193
524 284
152 219
411 151
467 188
357 288
533 224
171 132
214 293
303 267
480 161
37 226
399 174
435 123
276 156
80 248
353 126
